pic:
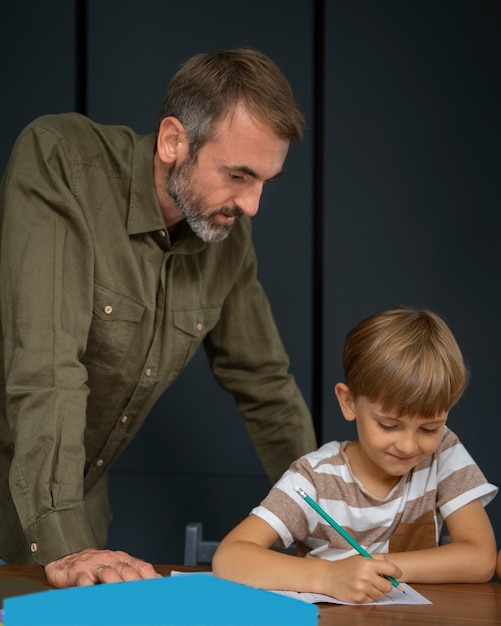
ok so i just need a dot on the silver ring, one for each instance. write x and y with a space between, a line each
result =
99 570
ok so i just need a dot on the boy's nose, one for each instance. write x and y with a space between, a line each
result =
406 444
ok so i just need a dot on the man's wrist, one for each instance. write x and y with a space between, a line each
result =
58 534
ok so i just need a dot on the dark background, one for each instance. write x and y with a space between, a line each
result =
392 198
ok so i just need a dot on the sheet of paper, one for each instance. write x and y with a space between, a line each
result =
411 596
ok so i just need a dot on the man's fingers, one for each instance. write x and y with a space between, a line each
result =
108 574
146 570
132 569
83 580
91 567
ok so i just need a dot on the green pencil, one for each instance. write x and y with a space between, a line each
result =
341 531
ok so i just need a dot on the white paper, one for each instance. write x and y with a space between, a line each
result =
411 596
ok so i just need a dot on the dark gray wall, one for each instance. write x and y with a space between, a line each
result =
412 195
37 65
410 207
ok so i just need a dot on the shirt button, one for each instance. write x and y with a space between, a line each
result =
199 327
124 419
148 372
34 547
100 463
162 233
108 309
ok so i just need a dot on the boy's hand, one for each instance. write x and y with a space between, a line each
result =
359 579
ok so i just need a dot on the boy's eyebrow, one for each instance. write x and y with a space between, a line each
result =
440 419
435 420
245 169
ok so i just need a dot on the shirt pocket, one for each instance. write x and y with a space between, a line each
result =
191 329
417 535
115 319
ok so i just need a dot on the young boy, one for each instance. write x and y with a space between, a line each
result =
391 489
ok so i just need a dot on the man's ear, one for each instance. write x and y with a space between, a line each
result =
346 401
172 141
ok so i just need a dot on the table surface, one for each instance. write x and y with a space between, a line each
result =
453 604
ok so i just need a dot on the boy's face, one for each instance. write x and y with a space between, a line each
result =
393 444
396 445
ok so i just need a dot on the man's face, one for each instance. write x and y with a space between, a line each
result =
226 179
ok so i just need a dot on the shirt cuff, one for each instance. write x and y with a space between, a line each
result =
58 534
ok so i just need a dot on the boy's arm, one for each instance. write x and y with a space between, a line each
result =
470 557
244 556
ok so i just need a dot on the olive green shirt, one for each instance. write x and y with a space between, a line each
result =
100 312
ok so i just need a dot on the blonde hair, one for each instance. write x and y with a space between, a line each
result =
210 85
406 360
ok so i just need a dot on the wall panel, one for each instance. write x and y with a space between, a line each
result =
37 52
412 133
194 436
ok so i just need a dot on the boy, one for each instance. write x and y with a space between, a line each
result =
391 489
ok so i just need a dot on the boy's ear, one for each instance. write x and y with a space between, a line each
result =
172 141
346 402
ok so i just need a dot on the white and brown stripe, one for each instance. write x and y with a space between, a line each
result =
410 517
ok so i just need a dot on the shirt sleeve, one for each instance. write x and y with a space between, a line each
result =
460 480
249 360
46 307
290 516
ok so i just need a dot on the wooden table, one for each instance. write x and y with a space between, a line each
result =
453 605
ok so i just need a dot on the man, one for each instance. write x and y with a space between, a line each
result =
120 255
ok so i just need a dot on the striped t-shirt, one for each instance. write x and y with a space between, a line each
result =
410 517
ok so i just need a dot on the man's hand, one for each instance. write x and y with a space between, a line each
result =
91 566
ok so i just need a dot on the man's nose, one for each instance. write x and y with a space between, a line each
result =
248 201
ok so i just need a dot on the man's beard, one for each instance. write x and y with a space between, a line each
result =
204 224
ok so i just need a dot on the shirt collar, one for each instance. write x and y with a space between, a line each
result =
145 215
144 211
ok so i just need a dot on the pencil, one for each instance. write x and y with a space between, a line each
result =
341 531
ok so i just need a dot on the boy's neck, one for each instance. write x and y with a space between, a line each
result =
377 482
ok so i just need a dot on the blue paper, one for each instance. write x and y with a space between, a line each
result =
196 600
